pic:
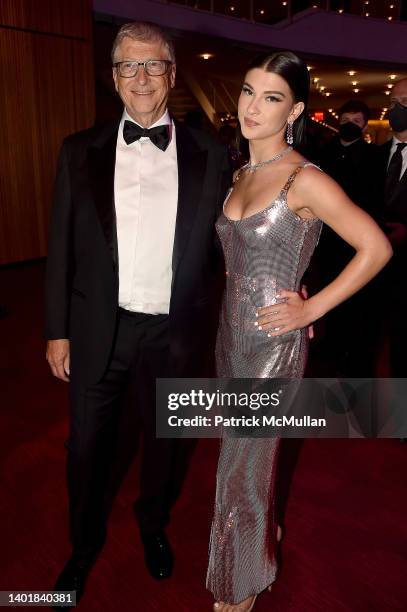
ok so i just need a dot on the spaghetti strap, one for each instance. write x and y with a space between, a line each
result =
292 176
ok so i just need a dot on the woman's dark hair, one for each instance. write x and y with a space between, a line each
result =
295 72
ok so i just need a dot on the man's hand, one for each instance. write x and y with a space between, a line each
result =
58 358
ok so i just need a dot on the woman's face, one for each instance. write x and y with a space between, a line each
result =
265 105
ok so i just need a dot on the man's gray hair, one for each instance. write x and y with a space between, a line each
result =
144 31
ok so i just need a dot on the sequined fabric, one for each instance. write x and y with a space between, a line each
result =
264 253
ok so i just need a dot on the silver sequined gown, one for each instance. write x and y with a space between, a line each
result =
264 253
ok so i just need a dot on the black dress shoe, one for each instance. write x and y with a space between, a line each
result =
72 578
158 555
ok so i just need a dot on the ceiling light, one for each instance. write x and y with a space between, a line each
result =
385 108
340 11
331 110
352 72
354 83
367 14
206 56
327 93
356 90
261 12
391 6
387 92
390 18
284 3
322 87
310 67
392 76
232 8
390 85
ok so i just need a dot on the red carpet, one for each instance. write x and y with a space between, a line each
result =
345 538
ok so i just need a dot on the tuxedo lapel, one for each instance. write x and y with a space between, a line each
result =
191 172
386 151
397 200
102 158
384 154
191 162
401 186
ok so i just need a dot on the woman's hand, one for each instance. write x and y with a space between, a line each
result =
292 313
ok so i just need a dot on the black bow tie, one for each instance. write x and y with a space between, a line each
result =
160 135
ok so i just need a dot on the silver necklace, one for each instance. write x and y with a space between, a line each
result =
253 167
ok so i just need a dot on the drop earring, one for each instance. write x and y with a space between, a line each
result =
290 136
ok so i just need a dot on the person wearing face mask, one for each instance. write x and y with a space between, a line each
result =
393 157
394 163
349 343
348 158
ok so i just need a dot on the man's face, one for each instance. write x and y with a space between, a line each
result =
399 93
356 118
145 97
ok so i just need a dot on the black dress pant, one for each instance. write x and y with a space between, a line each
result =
397 326
140 355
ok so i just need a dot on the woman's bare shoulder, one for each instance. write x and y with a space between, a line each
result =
313 186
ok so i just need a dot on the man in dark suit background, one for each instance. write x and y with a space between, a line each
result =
130 271
349 159
351 329
394 176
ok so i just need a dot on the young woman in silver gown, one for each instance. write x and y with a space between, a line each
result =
269 229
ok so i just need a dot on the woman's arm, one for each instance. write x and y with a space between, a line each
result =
314 194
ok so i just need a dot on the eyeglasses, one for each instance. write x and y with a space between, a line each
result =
152 67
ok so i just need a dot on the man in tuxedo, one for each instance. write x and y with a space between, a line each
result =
131 265
394 175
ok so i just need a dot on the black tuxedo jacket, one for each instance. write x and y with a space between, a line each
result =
396 208
82 268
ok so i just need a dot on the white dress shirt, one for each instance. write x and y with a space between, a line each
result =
395 142
146 197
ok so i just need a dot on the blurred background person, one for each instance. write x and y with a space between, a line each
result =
350 336
348 158
227 137
393 163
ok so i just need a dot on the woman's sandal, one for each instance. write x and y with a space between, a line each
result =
279 537
216 606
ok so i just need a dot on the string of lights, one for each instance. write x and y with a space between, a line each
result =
272 12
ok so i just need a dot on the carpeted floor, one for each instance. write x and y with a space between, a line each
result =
344 501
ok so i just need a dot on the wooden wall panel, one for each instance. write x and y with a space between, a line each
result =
63 17
47 93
